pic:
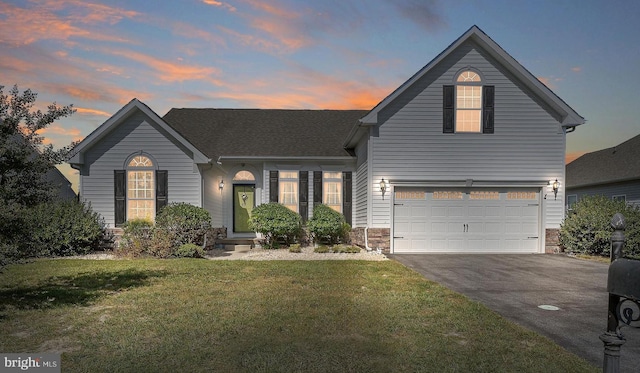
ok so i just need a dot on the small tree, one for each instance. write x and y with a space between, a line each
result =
24 159
24 162
587 228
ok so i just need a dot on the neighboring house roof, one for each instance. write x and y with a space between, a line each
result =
265 133
569 117
119 117
620 163
63 185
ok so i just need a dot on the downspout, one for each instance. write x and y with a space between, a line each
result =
366 239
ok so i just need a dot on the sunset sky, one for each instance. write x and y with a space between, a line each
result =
343 54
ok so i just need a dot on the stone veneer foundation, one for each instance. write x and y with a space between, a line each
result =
379 238
552 241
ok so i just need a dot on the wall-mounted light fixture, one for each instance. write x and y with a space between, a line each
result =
383 187
221 184
555 186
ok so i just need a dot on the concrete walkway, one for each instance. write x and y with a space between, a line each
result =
515 286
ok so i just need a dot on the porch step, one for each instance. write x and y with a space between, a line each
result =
237 244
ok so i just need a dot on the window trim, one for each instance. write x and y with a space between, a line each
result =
339 192
151 169
619 197
569 204
450 113
281 190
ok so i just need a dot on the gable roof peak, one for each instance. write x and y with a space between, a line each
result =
570 118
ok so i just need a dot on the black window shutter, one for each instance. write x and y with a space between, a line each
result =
162 184
273 186
487 108
346 195
120 190
303 202
317 188
448 109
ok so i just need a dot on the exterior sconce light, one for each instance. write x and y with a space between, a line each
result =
383 187
221 185
555 186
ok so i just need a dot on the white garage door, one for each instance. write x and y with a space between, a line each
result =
466 220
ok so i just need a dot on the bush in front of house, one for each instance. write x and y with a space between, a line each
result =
64 228
136 238
189 250
276 222
186 222
587 227
327 225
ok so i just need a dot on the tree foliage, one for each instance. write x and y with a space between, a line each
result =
277 223
587 228
24 158
327 225
24 163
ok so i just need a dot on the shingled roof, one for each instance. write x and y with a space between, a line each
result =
265 132
620 163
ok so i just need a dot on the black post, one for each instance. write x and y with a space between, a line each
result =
613 339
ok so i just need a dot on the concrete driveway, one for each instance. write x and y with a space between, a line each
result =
516 285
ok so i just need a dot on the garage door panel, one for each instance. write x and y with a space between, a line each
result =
493 228
477 211
438 227
468 220
438 212
455 212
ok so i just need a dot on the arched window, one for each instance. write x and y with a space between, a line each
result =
244 176
141 188
468 102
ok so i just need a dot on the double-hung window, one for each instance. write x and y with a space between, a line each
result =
140 188
468 106
332 190
288 188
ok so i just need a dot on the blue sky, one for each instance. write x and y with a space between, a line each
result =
343 54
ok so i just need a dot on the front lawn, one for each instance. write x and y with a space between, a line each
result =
192 315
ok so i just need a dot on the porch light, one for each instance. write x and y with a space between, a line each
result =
555 186
383 187
221 185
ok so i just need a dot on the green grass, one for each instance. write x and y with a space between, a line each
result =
189 315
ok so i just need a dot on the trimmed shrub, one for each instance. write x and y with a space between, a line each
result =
277 223
322 249
347 249
587 228
189 250
327 225
136 239
64 228
188 223
295 248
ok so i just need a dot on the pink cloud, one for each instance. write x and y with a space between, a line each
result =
169 71
576 69
221 4
95 112
23 26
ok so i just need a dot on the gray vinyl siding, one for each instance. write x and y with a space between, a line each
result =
361 178
361 197
134 135
528 144
213 195
629 189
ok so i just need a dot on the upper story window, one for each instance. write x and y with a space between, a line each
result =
468 105
468 102
140 188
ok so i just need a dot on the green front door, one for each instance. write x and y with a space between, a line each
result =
243 203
